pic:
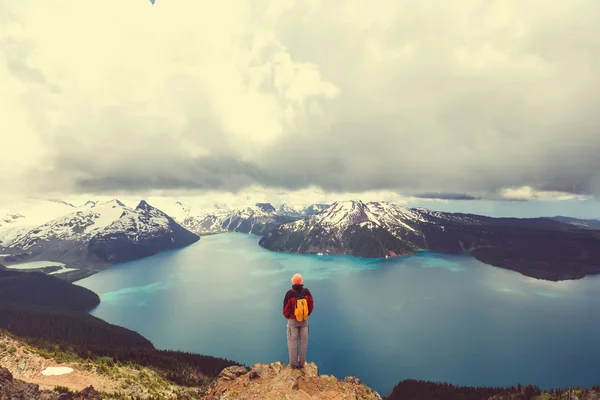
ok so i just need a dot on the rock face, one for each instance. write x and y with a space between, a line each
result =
276 381
14 389
538 247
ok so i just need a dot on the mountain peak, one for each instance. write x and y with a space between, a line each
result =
347 212
266 207
349 203
276 381
113 202
144 206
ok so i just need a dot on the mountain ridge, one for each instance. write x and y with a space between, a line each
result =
97 235
538 247
257 219
100 233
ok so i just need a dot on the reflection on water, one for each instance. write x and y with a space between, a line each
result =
432 317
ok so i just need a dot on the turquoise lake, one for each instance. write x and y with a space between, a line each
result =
431 317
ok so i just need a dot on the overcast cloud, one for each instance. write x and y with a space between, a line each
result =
461 99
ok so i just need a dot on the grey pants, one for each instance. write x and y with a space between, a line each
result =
297 332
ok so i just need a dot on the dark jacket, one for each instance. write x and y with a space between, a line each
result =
289 302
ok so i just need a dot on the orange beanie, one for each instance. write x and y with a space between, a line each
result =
297 279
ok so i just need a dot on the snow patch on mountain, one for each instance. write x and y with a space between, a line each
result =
301 210
78 226
139 233
32 212
341 215
142 221
254 219
11 233
118 232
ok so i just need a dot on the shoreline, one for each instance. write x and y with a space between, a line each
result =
81 272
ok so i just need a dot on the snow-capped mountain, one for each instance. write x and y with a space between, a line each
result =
33 211
256 219
17 218
207 223
78 226
538 247
301 210
80 238
138 233
351 227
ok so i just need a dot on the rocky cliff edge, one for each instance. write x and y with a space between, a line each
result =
279 382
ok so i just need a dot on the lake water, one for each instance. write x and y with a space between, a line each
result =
430 317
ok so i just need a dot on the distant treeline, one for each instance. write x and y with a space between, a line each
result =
72 327
37 289
424 390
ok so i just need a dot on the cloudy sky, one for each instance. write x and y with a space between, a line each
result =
450 99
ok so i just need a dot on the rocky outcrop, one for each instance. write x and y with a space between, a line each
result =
14 389
276 382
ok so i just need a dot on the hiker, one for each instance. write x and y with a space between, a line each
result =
298 304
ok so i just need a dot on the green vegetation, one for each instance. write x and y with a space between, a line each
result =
73 327
49 318
63 389
180 368
37 289
425 390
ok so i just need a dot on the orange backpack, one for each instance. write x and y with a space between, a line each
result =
301 310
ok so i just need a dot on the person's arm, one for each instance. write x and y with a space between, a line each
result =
311 301
287 305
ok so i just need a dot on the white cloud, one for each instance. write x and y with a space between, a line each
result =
345 95
527 193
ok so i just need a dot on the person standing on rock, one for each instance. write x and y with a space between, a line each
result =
298 304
